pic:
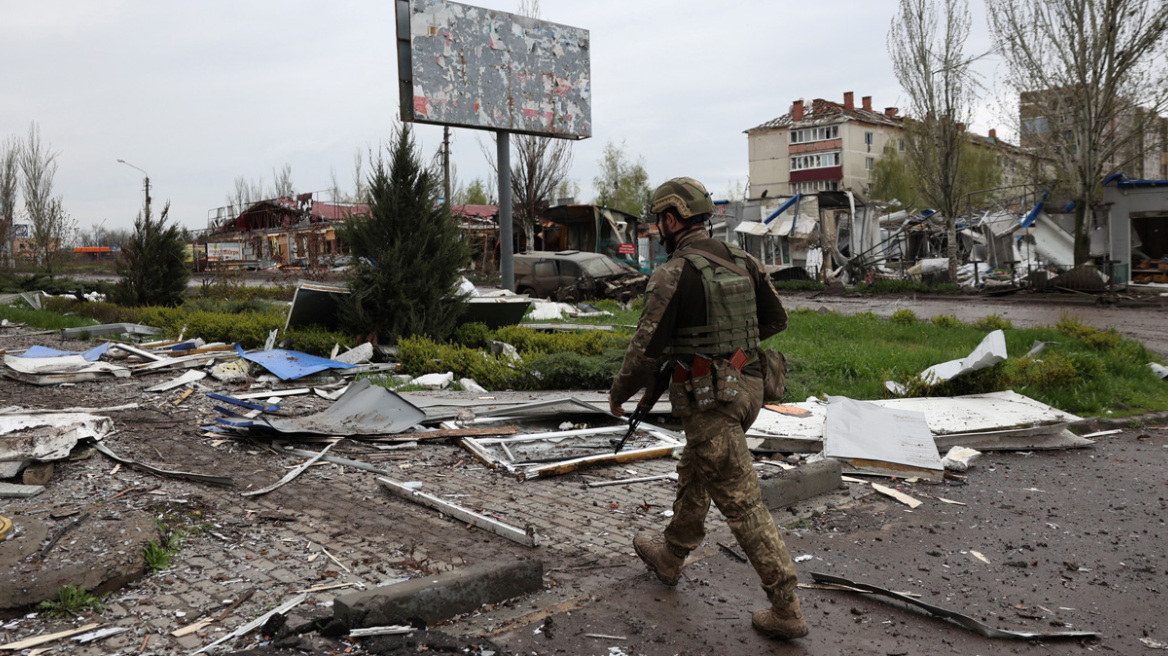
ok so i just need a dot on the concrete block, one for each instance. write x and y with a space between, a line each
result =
793 485
435 598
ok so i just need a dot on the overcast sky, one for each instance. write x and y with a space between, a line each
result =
200 93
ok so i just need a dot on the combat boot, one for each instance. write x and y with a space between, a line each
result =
660 559
781 621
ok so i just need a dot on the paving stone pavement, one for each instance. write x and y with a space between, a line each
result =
333 528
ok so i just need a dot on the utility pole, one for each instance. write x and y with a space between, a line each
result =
147 184
446 163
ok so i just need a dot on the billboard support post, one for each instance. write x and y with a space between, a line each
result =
506 242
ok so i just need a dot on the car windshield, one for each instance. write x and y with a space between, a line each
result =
600 267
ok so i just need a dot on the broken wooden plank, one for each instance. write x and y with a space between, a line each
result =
40 640
526 536
292 474
897 494
576 464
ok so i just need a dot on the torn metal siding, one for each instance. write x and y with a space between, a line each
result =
479 68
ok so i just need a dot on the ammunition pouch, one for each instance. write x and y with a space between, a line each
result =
774 375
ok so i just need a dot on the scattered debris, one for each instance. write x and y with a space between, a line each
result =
961 620
292 474
1160 370
960 458
410 492
192 376
363 410
256 623
897 494
979 556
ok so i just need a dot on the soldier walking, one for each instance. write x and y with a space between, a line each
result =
706 310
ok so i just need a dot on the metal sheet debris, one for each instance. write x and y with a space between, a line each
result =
364 409
962 620
869 438
526 536
109 329
202 478
292 474
290 365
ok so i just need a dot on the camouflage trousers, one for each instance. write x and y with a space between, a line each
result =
716 465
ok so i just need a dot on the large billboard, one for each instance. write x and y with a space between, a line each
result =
479 68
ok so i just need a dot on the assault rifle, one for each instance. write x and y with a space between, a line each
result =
652 393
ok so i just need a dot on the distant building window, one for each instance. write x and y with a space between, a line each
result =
869 162
807 135
814 161
1035 125
813 186
869 138
902 145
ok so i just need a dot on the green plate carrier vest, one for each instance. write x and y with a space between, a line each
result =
731 311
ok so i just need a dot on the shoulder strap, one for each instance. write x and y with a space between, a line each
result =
714 258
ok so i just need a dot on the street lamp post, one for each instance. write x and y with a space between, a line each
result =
122 161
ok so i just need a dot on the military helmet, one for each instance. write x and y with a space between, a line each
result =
688 196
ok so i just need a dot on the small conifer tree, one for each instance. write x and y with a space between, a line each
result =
407 253
151 264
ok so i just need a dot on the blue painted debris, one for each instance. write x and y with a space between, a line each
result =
92 355
290 365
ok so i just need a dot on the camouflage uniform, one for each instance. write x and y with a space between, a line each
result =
715 463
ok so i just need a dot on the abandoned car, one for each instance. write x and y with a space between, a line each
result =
573 276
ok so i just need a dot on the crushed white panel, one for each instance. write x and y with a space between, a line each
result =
1160 370
880 440
982 412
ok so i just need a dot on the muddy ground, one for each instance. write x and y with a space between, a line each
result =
1073 539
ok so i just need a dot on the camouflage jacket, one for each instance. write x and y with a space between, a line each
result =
674 299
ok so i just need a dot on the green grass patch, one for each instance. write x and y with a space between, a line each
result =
1088 372
72 599
176 523
45 319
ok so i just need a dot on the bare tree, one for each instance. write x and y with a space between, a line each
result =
360 189
283 187
1092 76
245 194
927 45
49 225
9 182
